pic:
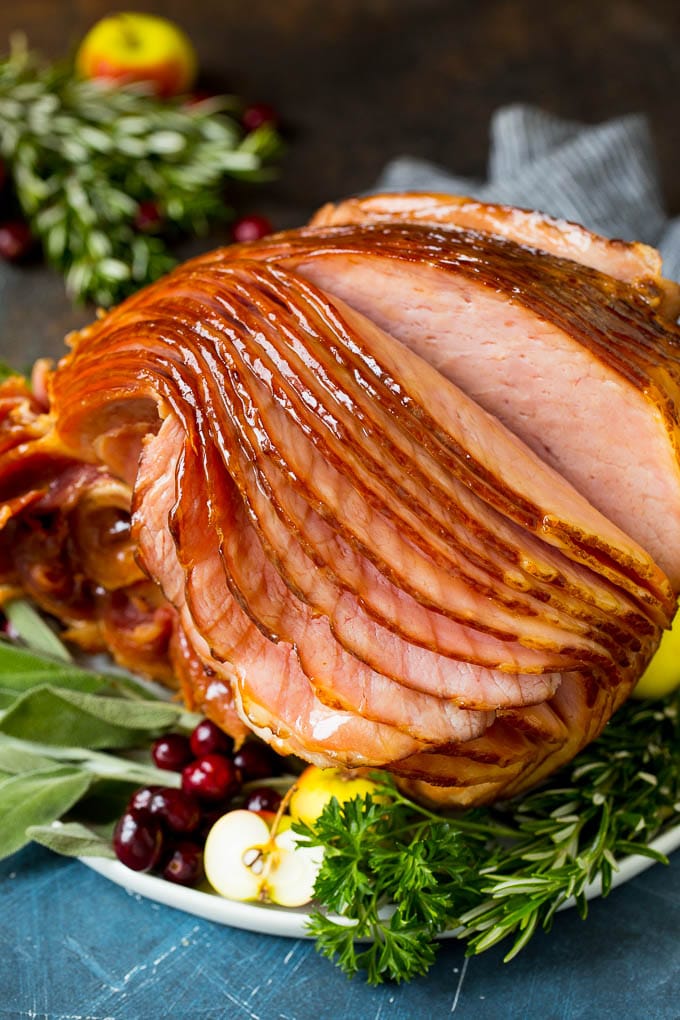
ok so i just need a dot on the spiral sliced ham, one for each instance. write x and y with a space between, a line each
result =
360 527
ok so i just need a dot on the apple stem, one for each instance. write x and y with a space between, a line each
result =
269 848
281 810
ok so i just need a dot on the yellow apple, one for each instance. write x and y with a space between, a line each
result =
663 673
316 787
131 47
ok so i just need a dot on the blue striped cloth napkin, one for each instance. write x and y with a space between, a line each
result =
603 176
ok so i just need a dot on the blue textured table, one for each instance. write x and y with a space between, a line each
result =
76 946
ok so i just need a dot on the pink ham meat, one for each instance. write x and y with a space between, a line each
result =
358 547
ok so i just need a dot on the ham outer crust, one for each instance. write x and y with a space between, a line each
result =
631 262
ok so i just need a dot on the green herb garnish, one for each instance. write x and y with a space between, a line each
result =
400 875
84 156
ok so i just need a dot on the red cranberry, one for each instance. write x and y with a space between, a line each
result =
148 217
258 114
207 738
211 777
139 804
255 761
263 799
185 864
251 228
137 844
177 810
171 752
16 240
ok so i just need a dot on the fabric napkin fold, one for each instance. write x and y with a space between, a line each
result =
604 176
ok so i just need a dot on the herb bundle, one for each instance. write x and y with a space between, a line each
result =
85 157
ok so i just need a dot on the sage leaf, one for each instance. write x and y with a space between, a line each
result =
142 715
72 839
34 630
6 698
37 798
15 760
21 669
54 716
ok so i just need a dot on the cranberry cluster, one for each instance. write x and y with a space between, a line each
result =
164 828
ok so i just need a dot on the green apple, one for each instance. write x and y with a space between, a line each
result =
316 787
663 673
131 47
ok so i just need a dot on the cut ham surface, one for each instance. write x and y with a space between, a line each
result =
360 528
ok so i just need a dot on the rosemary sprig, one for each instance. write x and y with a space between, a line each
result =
493 873
84 156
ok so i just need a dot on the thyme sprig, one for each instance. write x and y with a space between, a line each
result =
83 157
399 874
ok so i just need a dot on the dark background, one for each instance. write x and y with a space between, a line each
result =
360 81
356 83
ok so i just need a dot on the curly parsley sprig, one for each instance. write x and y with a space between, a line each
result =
397 874
84 156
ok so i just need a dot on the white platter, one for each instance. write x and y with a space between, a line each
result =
289 922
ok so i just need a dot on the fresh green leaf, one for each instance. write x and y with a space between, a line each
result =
72 839
7 698
16 759
107 799
22 668
6 371
53 715
37 798
33 629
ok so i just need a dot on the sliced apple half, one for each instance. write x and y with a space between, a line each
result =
244 861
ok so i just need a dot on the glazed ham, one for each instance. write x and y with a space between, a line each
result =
324 482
